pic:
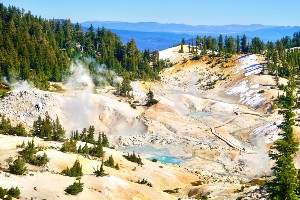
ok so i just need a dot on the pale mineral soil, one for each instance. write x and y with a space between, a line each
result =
213 124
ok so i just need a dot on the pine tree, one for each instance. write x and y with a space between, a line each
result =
29 151
74 171
238 45
285 185
220 44
90 135
104 140
110 162
244 44
69 146
150 99
75 188
5 125
181 48
47 127
125 87
99 172
18 167
229 44
83 135
58 132
97 151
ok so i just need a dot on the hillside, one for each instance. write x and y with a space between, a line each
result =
41 50
212 125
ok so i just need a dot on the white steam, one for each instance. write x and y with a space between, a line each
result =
81 107
80 78
259 161
22 86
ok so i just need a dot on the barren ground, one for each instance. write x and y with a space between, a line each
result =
214 122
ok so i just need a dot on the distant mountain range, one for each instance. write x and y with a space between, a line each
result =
152 35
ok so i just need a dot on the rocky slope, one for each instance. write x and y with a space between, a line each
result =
213 124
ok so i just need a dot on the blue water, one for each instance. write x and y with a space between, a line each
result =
167 159
156 152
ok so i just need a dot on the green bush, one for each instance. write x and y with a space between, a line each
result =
29 156
7 128
99 171
74 171
117 166
133 158
8 194
40 160
144 182
151 101
111 163
133 106
75 188
97 150
69 146
14 192
29 151
261 92
171 191
18 130
18 167
197 183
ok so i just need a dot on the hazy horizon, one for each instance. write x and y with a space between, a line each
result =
190 12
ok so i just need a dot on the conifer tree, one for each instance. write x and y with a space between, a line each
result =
90 135
125 87
110 162
37 127
74 171
99 172
220 44
285 185
75 188
150 99
238 45
104 140
18 167
47 127
58 131
244 44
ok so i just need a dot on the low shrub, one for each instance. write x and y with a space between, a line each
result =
75 188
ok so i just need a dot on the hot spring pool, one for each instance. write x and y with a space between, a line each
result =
167 159
157 152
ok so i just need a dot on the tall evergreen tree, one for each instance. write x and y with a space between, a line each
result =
285 184
238 45
220 44
58 131
244 44
125 87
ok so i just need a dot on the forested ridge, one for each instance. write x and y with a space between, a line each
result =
41 50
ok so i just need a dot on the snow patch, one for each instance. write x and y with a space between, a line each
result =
242 88
269 131
168 53
250 64
247 95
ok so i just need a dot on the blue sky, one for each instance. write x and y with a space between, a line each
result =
194 12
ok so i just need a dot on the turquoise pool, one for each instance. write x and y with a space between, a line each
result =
167 159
